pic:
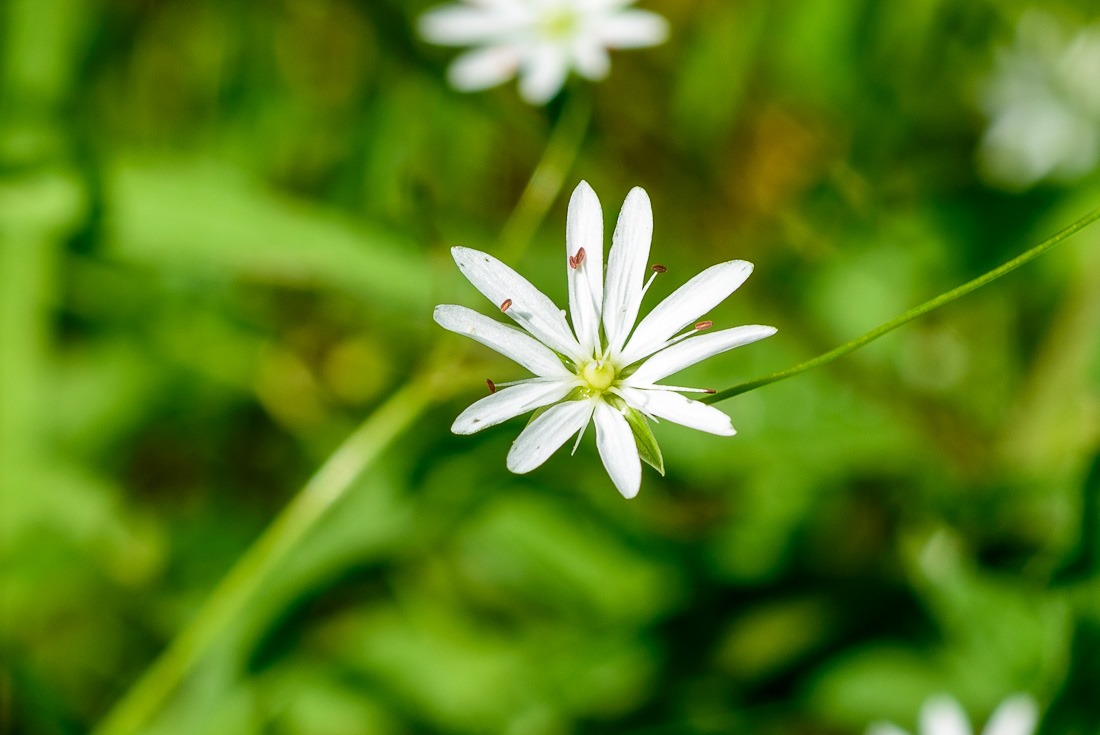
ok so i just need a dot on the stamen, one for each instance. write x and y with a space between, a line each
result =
506 305
526 381
492 386
681 337
675 389
576 260
657 269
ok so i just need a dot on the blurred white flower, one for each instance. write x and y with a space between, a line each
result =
1043 101
603 369
541 40
942 715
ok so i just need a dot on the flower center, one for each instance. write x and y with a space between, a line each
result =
599 374
559 23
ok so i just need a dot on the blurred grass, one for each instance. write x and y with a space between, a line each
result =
222 229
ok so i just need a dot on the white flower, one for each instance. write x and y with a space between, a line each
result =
1043 102
942 715
603 369
541 40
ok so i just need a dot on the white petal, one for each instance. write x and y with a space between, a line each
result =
626 268
584 229
692 350
508 341
590 58
942 715
483 68
457 25
1017 715
500 5
544 72
546 433
684 306
530 308
679 410
633 29
885 728
618 450
603 6
1028 142
510 402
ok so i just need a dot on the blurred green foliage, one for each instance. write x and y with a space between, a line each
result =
223 226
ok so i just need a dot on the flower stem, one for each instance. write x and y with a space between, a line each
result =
918 311
340 471
546 182
326 487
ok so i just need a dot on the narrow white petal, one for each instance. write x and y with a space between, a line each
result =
885 728
510 402
508 341
456 25
679 410
543 74
633 29
692 350
483 68
1017 715
626 268
684 306
546 433
530 308
942 715
603 6
590 58
500 5
618 450
584 229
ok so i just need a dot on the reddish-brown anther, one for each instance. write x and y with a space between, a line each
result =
492 386
506 305
576 260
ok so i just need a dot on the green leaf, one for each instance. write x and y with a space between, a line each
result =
208 218
648 449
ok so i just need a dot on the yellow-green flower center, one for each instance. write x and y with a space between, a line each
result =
599 374
560 23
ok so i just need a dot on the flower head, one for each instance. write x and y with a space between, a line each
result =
603 369
1044 105
942 715
541 40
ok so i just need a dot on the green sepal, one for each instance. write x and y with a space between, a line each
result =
538 412
576 394
648 449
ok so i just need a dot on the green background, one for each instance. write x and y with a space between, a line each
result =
224 225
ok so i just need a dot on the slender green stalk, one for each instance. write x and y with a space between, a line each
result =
232 594
338 474
918 311
546 183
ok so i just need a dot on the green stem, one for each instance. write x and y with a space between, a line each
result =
546 182
338 474
941 300
326 487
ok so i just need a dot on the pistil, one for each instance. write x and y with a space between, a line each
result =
599 374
